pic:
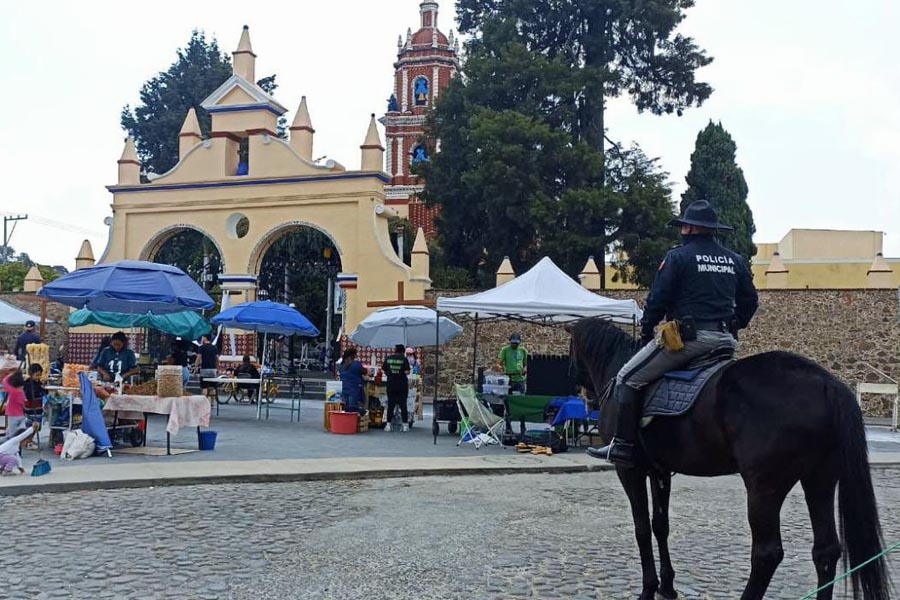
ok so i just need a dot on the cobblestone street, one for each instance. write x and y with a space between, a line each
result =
509 537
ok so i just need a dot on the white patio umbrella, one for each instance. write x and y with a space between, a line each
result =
412 326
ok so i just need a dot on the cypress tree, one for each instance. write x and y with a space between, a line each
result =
716 178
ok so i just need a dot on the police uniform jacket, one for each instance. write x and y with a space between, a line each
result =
703 280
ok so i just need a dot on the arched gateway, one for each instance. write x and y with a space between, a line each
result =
243 187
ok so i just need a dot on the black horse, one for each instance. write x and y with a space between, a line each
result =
774 418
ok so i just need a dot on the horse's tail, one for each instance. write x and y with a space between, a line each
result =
860 528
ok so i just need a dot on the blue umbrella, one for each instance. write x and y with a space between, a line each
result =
266 317
131 287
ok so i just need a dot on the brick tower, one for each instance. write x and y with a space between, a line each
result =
426 61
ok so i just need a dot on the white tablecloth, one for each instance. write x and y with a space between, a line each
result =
187 411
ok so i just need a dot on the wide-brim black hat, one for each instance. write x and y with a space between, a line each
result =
701 214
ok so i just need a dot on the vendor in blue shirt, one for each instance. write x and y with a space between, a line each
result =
352 374
116 359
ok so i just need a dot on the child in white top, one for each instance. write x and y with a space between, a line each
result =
10 456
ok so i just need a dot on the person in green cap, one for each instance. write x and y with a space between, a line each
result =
513 360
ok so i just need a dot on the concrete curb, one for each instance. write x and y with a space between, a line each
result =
57 488
211 477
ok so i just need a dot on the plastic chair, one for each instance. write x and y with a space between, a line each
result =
481 425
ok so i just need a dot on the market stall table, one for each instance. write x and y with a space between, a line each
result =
570 410
186 411
217 381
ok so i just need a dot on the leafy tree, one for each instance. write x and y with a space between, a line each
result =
519 173
612 47
644 232
445 276
716 178
200 68
12 275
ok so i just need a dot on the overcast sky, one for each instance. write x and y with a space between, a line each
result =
808 88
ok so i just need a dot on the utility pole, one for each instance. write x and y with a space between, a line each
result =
7 235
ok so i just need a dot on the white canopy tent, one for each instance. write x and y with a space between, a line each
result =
545 294
10 315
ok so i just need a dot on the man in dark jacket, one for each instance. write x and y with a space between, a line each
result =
700 283
28 337
396 369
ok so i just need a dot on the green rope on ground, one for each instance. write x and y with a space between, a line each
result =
840 578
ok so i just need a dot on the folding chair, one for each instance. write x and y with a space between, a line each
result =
482 426
244 392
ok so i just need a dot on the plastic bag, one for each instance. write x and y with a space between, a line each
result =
78 445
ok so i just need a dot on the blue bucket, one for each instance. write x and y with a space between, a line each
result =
207 440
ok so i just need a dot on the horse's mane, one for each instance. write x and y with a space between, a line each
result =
602 346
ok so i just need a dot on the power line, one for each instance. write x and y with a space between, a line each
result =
62 226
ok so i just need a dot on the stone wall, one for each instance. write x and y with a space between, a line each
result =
840 329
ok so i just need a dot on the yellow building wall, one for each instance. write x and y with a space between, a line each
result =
811 275
344 209
244 121
826 275
817 244
765 251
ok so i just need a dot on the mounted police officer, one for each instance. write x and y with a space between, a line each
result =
708 290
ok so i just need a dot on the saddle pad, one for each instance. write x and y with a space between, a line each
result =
673 397
683 375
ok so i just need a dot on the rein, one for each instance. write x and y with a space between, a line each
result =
607 394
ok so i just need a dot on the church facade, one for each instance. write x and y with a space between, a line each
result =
244 188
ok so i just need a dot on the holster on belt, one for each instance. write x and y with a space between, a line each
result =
670 333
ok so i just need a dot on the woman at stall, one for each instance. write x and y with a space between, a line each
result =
117 359
353 374
104 344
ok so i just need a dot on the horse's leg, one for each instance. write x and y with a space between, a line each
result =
635 483
819 490
661 488
764 502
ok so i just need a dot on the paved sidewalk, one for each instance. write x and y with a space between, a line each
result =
248 450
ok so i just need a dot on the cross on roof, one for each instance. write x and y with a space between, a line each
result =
401 300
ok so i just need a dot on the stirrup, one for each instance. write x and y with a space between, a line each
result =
621 454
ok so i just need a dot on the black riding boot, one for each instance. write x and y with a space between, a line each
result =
621 450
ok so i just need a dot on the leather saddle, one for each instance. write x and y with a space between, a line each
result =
675 394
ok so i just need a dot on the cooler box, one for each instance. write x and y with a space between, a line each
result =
497 390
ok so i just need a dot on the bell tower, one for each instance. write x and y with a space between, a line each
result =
426 61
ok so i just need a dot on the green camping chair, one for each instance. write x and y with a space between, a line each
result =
480 425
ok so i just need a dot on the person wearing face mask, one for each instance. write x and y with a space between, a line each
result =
706 291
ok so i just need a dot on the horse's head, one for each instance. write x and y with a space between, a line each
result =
598 349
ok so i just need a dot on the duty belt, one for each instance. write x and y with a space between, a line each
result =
720 326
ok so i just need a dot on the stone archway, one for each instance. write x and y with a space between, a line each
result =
298 263
189 248
267 240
